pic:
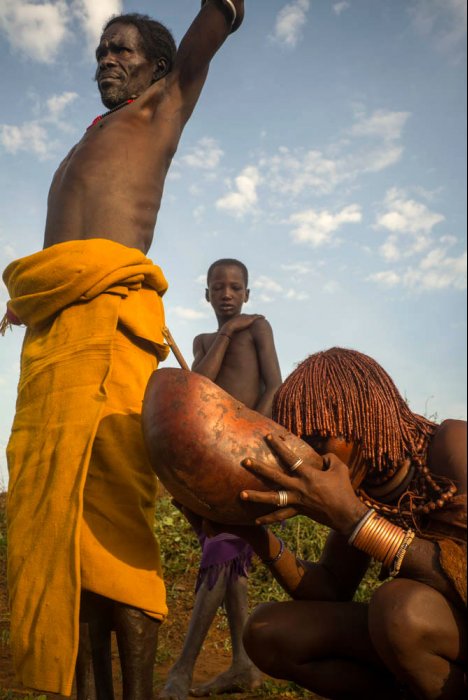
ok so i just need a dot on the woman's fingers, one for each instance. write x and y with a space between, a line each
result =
277 516
273 498
289 457
270 473
280 447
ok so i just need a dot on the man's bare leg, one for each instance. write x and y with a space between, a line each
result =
94 663
243 674
84 675
137 639
206 605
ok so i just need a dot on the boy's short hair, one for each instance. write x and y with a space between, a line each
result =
228 261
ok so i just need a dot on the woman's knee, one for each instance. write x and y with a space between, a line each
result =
261 637
403 618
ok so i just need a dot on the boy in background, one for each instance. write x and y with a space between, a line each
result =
240 358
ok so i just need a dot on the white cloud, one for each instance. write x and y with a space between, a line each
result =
35 29
295 295
290 21
331 287
58 103
93 15
293 172
187 314
206 154
382 123
38 29
404 215
245 197
317 227
298 268
373 147
339 7
386 278
267 284
33 136
443 20
390 250
435 271
30 137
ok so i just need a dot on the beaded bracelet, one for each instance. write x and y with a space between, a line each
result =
398 561
269 562
225 335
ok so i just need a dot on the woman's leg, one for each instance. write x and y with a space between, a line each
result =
421 637
322 646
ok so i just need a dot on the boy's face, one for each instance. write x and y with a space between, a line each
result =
226 291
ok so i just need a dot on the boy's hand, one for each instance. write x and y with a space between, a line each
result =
239 323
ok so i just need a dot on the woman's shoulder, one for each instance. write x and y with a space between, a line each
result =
447 451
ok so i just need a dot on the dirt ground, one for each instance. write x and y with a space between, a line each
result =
214 658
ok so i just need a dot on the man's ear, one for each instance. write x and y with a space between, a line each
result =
161 69
207 295
247 295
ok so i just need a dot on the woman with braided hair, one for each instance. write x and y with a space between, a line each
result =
392 489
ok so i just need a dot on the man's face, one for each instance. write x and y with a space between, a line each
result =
226 291
123 71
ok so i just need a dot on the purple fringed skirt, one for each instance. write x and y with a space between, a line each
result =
226 554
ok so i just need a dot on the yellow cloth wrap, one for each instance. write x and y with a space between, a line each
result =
81 492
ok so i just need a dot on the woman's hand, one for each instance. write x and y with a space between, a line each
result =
326 496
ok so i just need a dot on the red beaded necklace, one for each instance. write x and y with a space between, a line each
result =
111 111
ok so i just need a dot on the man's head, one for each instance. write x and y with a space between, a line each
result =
134 52
345 397
227 282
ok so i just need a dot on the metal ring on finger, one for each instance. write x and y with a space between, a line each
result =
296 464
282 499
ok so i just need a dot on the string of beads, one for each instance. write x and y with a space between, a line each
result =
110 111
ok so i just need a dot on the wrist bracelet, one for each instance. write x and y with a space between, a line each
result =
225 335
269 562
360 524
398 561
231 7
382 540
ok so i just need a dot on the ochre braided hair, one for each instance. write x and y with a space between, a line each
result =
341 392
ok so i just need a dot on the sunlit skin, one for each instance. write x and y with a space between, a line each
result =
110 185
412 632
241 358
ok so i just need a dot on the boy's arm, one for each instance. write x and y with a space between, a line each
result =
205 36
208 363
269 365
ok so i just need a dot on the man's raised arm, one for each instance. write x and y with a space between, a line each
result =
215 21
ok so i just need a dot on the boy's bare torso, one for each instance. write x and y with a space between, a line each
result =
110 185
240 372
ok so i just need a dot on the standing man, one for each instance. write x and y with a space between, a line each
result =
81 491
241 358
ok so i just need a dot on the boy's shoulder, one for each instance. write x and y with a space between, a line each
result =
203 338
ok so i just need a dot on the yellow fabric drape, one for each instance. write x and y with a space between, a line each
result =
81 491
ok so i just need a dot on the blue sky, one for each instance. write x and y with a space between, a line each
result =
328 152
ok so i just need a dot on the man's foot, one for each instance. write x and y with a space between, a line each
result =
234 680
176 688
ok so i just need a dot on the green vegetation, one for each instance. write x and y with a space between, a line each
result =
181 553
